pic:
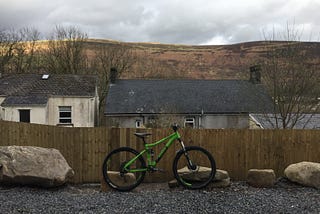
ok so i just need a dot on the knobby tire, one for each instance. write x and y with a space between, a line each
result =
113 165
200 158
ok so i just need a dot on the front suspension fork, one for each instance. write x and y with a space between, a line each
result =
190 164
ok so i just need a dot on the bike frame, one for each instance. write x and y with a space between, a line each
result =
151 164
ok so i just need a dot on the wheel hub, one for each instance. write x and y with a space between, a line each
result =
122 169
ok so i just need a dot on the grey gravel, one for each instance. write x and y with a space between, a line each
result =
285 197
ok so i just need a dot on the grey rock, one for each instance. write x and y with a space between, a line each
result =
37 166
305 173
261 177
221 175
173 183
126 179
220 183
221 178
202 173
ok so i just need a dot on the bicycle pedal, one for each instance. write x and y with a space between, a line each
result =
160 170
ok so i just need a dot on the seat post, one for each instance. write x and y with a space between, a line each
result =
144 141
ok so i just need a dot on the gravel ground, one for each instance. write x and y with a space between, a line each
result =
285 197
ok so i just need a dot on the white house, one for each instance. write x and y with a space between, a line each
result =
63 100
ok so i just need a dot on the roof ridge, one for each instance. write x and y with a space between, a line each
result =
182 80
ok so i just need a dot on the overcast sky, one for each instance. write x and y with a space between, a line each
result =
167 21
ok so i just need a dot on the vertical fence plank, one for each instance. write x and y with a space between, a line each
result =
92 139
78 157
314 145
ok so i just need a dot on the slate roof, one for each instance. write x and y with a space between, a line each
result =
306 121
31 89
186 97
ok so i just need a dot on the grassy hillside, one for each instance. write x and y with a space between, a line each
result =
171 61
200 62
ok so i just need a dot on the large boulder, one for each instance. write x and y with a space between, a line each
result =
261 177
305 173
125 180
221 178
199 175
27 165
221 175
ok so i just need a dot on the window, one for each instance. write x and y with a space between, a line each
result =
189 122
65 114
24 115
139 123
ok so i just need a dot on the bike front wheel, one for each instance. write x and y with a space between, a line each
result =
117 176
194 168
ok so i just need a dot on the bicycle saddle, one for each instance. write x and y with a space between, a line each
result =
142 135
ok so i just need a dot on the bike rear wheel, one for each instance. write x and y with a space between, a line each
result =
119 178
194 168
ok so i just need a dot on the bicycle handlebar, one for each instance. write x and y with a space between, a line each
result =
175 127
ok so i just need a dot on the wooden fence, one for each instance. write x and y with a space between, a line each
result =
234 150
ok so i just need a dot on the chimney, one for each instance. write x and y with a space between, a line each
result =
113 74
255 75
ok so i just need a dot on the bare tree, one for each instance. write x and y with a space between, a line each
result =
66 51
291 74
8 41
17 51
168 115
163 120
25 50
111 60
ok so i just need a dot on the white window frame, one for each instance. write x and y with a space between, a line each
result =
189 120
65 109
139 123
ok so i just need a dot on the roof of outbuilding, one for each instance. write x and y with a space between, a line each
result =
31 89
305 121
186 96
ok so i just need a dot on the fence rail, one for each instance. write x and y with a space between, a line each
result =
234 150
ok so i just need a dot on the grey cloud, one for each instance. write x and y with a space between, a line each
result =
165 21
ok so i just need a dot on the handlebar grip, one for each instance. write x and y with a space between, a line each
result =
175 127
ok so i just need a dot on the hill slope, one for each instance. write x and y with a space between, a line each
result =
198 62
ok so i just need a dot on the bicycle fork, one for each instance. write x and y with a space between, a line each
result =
190 164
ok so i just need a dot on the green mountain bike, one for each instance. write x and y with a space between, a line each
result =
125 168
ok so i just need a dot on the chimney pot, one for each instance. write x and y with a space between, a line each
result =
113 74
255 75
